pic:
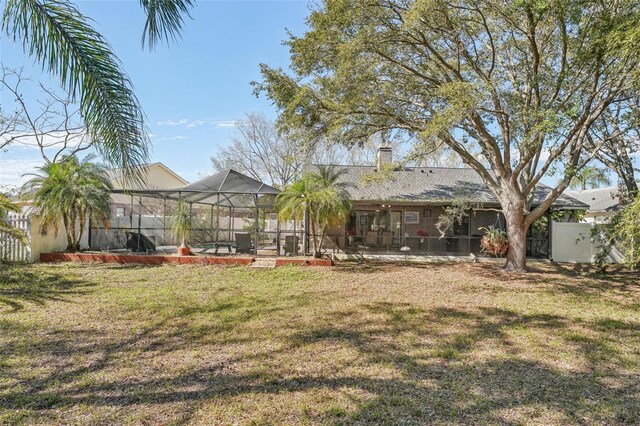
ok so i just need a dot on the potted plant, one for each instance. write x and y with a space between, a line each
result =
181 226
422 234
494 241
350 234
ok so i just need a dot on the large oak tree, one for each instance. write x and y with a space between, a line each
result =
522 80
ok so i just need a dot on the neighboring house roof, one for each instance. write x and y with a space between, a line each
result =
438 185
600 200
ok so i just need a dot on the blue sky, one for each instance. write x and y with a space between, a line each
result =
192 90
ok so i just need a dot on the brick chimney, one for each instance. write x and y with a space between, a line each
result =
384 156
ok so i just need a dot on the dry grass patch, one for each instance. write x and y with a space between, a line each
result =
355 344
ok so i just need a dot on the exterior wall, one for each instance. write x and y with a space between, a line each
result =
572 242
156 176
428 217
391 231
50 242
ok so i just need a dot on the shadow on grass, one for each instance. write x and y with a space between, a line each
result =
436 377
585 276
29 284
619 276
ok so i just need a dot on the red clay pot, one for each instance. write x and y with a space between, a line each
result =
184 251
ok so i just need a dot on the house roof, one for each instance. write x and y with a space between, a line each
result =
599 200
230 182
437 185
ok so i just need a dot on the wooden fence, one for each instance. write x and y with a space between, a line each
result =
12 249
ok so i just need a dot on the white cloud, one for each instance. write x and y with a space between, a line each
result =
196 123
172 138
173 123
49 140
226 123
12 171
191 124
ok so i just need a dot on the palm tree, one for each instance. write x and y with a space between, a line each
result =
589 178
322 197
6 205
58 36
181 225
70 192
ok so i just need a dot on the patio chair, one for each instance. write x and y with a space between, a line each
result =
291 245
387 239
139 242
243 243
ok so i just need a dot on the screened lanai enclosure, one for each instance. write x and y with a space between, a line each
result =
230 213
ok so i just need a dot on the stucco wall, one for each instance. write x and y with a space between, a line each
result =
50 242
156 177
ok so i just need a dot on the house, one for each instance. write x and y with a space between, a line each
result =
602 203
128 212
400 207
154 176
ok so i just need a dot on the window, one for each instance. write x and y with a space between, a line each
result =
119 211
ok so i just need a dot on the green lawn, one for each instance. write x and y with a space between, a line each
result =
376 344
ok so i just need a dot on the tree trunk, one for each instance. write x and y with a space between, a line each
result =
626 171
315 239
67 231
631 186
517 233
321 242
80 232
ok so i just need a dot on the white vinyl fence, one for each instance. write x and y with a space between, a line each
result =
572 242
13 249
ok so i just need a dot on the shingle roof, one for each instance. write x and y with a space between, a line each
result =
436 185
599 200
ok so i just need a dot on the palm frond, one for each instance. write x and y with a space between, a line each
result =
68 192
164 19
6 205
58 36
